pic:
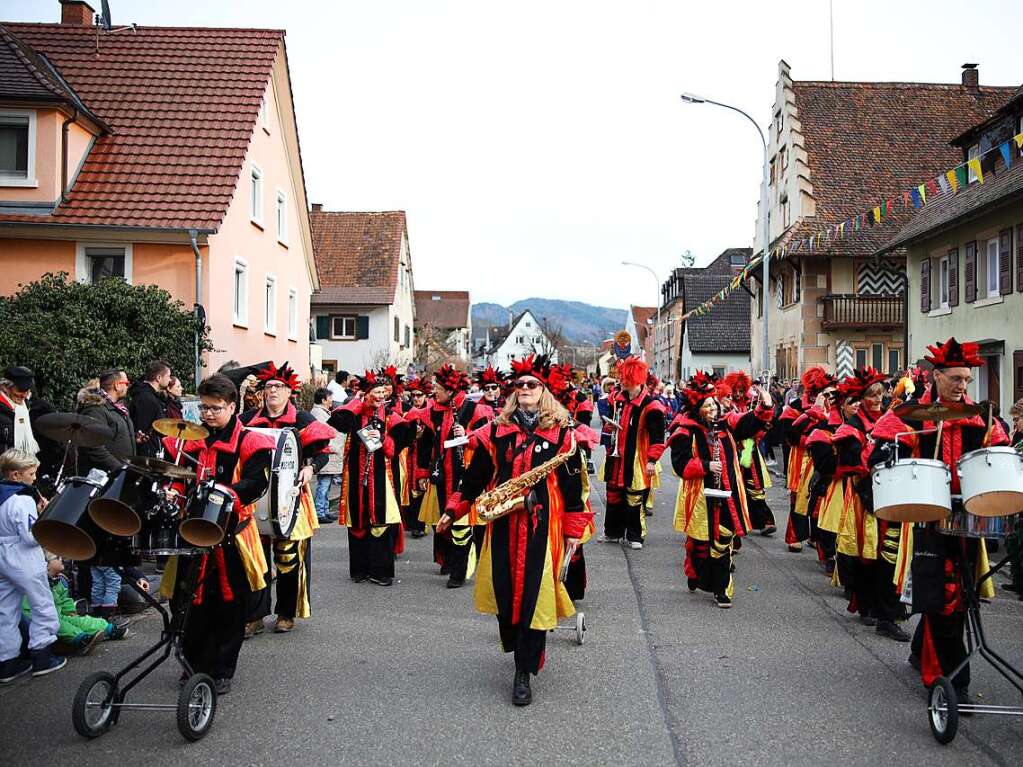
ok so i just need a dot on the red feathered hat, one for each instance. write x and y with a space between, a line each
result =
953 354
284 373
723 389
391 375
536 366
451 378
419 385
739 380
489 375
701 387
632 371
855 386
815 380
370 380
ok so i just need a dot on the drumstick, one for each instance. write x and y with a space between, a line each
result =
937 442
990 420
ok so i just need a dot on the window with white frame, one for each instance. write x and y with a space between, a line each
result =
342 327
17 147
241 292
256 195
943 282
282 218
397 330
972 154
94 262
991 275
270 304
264 117
292 314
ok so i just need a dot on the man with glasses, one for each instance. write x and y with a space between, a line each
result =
290 555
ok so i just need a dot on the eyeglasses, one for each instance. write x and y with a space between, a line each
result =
528 383
491 387
125 382
274 386
210 409
959 380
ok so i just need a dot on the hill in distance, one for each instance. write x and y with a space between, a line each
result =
578 321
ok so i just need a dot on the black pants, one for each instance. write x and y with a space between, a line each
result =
827 543
371 556
410 515
886 600
451 550
575 578
712 560
858 576
215 629
527 644
622 516
283 558
760 514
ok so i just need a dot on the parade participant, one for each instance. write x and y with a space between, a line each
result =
523 550
238 460
369 505
490 382
940 562
755 475
640 444
15 423
450 416
291 556
802 417
23 572
419 390
704 455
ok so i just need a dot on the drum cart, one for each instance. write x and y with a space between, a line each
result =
578 626
101 697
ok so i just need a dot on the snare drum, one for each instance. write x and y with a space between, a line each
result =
277 511
912 490
992 481
964 524
160 535
209 517
65 527
119 508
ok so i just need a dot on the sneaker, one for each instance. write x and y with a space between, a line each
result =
634 545
522 695
795 548
456 583
381 581
254 627
722 601
87 645
13 668
648 512
45 662
418 533
892 631
604 538
222 686
283 625
692 584
118 630
868 620
769 530
361 577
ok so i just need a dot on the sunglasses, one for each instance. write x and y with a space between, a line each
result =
491 387
528 384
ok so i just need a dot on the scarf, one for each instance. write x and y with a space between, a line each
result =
23 437
527 420
121 408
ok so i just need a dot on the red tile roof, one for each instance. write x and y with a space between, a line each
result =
442 309
357 255
182 103
867 142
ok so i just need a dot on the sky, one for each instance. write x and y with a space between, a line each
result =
536 145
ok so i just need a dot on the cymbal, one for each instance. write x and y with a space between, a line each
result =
79 430
179 429
160 468
937 411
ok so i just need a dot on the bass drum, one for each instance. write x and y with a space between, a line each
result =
277 511
208 519
65 527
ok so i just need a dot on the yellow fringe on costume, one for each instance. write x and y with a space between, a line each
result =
832 506
803 491
857 529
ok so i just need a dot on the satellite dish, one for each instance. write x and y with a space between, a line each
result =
105 20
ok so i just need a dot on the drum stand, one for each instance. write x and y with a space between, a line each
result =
943 706
101 696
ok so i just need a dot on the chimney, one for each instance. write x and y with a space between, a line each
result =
76 13
317 207
971 76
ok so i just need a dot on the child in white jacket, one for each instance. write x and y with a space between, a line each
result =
23 573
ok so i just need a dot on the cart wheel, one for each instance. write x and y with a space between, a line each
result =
197 705
92 713
943 710
580 628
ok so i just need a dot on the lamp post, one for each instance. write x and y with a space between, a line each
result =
690 98
657 303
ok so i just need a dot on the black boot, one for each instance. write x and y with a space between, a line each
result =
892 630
521 694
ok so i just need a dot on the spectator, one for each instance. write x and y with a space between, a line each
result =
15 424
173 397
148 404
330 474
338 388
23 572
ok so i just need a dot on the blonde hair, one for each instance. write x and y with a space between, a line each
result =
873 390
16 459
552 413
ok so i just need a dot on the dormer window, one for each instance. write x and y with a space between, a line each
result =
972 154
17 147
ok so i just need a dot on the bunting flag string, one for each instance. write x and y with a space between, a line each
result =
948 183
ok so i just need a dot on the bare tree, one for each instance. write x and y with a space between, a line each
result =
551 341
434 348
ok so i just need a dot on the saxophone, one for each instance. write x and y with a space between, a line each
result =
510 496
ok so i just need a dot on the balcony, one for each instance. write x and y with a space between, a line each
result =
852 312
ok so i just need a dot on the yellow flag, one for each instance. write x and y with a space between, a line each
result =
922 191
953 182
974 165
877 215
1018 138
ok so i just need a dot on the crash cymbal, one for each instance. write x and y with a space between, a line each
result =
79 430
160 468
937 411
179 429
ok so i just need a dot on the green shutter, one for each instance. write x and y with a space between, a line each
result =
322 326
361 327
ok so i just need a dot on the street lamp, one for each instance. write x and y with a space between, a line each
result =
657 296
691 98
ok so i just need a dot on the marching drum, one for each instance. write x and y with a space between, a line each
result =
967 525
208 519
992 481
64 527
277 511
119 508
912 490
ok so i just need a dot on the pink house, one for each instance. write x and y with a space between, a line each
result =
163 155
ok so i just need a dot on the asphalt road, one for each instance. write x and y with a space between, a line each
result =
412 674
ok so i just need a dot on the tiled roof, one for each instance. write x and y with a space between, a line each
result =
357 255
26 76
182 103
641 315
998 189
867 142
725 329
442 309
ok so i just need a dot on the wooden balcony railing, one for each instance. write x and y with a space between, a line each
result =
862 311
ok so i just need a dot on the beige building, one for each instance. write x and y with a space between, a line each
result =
837 150
966 259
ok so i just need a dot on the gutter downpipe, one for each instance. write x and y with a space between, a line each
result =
63 154
193 235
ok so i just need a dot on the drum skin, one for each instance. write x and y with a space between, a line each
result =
208 519
912 490
118 509
65 527
966 525
992 481
283 492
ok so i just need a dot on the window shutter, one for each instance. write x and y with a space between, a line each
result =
1019 258
953 277
322 326
361 327
1005 262
925 285
971 272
